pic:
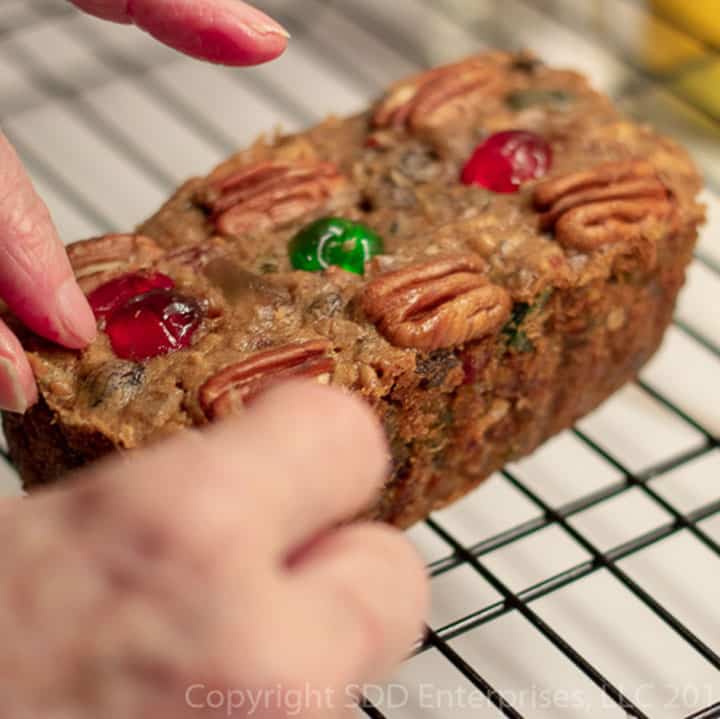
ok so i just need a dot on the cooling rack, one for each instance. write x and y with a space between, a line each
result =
582 581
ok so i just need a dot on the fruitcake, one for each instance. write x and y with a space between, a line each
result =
485 255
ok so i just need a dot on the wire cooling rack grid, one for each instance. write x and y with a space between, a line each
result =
584 580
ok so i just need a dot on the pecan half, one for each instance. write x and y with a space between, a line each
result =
272 194
228 390
437 304
96 259
420 101
604 205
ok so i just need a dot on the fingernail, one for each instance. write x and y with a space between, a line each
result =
268 27
13 396
75 315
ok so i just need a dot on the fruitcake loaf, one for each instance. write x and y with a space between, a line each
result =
485 255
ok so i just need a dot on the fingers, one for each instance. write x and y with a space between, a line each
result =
362 588
302 459
36 282
17 384
222 31
237 499
36 279
318 457
171 554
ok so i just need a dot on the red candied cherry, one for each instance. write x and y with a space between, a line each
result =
152 324
109 297
505 160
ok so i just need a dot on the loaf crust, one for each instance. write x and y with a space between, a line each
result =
489 323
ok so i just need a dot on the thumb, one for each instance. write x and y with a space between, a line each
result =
36 279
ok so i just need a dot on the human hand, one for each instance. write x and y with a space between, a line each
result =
36 280
211 563
223 31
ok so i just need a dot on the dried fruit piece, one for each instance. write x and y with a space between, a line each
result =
229 389
334 241
437 304
97 259
441 93
108 297
435 367
112 384
272 194
154 323
514 329
606 204
505 160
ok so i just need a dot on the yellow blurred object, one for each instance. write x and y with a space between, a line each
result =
702 87
675 38
667 49
701 18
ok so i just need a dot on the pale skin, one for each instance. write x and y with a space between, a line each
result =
217 561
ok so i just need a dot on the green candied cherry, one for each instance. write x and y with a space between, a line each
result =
334 241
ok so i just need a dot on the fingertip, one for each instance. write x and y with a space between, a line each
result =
31 391
343 418
364 585
16 395
78 327
406 556
36 279
386 557
222 32
18 391
222 46
239 46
